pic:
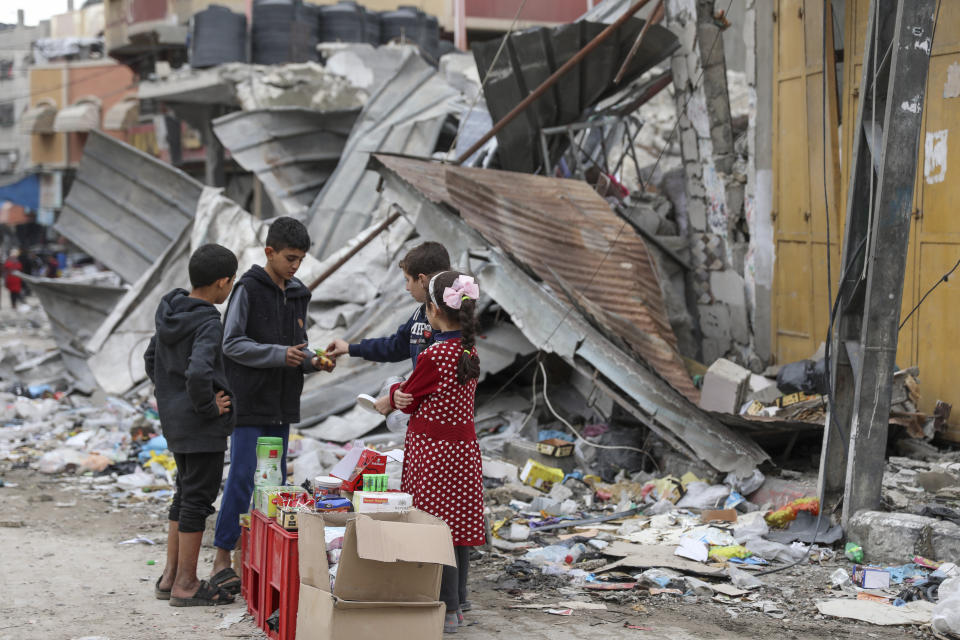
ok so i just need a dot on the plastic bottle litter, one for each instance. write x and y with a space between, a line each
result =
699 587
551 553
854 552
660 578
840 578
576 551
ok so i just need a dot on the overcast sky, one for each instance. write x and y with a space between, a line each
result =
34 10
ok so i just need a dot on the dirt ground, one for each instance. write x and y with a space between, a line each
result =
65 577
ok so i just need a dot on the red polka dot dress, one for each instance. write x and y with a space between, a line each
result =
441 463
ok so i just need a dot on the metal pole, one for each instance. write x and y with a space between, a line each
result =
356 249
886 150
655 17
549 82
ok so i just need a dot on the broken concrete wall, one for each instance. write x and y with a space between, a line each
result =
758 200
715 174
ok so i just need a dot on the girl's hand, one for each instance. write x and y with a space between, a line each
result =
402 400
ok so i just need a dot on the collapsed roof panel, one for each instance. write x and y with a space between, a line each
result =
428 194
568 236
405 116
292 150
531 56
126 207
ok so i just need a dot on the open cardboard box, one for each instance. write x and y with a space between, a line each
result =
389 575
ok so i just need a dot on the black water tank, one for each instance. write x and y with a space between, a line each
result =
406 23
284 31
217 36
342 22
371 27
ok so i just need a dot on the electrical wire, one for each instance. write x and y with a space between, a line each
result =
621 447
486 76
942 279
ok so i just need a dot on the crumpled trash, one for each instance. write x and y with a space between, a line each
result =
742 579
660 507
946 570
553 553
701 495
898 575
745 485
785 515
63 459
840 578
946 615
719 554
692 549
774 551
750 525
661 579
95 462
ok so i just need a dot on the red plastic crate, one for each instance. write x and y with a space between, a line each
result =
259 562
282 582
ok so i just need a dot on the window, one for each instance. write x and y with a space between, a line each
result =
6 114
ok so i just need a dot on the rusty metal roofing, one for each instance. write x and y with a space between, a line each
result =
125 207
568 236
293 150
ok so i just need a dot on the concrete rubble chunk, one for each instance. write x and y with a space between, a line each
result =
724 387
897 537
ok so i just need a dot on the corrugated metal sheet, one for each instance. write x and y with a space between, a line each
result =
125 207
569 237
404 116
75 310
292 150
531 56
548 321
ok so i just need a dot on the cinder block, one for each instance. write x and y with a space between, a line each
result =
724 387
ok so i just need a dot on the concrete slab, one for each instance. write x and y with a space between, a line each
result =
724 387
896 538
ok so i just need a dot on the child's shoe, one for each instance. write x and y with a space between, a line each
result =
450 622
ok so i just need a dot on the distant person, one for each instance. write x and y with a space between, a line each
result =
53 266
265 344
12 281
185 362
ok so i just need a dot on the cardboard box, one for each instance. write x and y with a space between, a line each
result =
388 577
356 463
540 476
287 517
871 577
555 447
322 615
381 502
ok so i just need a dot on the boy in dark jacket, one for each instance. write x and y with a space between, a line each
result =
419 265
185 362
264 341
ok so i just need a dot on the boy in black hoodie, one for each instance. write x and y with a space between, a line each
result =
264 341
185 362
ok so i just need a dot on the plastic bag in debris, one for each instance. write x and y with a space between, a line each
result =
750 525
661 506
513 423
61 460
805 375
946 615
698 587
35 410
552 553
661 579
774 551
840 578
745 485
701 495
742 579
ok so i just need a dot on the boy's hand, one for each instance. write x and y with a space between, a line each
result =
223 402
323 363
402 400
338 348
295 355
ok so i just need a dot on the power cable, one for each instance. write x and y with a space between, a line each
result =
486 76
942 279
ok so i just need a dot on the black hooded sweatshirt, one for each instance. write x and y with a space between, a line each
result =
185 363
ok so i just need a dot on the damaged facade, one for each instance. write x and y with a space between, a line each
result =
652 258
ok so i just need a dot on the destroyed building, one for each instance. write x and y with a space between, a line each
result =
657 205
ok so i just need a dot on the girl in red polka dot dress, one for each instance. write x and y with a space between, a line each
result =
441 463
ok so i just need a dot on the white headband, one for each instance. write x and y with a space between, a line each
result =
430 288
